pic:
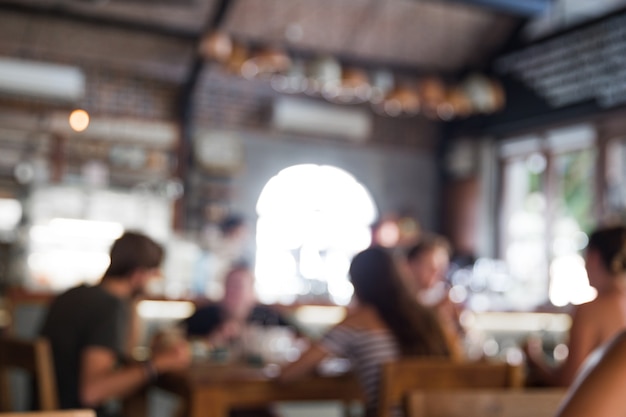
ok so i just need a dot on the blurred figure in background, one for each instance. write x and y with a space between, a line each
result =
87 330
384 324
229 327
225 246
222 324
596 322
427 265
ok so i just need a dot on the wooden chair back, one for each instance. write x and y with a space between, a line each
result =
57 413
34 357
400 377
484 403
25 311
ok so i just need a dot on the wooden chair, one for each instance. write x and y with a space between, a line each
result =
26 310
57 413
34 357
400 377
484 403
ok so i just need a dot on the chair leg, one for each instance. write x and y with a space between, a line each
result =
137 404
5 392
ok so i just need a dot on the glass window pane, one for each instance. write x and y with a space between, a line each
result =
524 223
573 221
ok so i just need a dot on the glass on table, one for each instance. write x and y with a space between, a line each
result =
269 345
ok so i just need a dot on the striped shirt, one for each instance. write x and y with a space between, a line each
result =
367 350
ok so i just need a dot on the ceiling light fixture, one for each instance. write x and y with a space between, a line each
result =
79 120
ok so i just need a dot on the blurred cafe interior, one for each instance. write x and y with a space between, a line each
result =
315 128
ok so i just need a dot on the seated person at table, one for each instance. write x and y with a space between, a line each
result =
223 323
86 327
598 390
596 322
427 264
384 324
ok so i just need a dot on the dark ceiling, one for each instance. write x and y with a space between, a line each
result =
160 38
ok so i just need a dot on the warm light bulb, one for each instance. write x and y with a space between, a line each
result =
79 120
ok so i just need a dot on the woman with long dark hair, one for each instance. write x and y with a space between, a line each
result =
384 324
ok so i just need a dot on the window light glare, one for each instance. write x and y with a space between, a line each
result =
10 213
175 310
569 282
52 266
561 352
87 228
275 273
320 315
284 233
307 213
310 262
337 265
79 120
519 322
341 291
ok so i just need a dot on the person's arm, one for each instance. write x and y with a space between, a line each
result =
335 342
582 341
100 380
449 317
305 365
600 392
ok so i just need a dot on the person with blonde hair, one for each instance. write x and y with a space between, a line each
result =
598 321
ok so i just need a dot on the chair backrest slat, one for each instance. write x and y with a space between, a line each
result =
400 377
484 403
34 357
57 413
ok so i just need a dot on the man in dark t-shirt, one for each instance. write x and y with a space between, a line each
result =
223 322
207 319
83 316
86 327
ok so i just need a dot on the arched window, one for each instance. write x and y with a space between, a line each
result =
312 220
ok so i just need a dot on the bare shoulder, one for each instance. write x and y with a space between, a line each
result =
605 306
593 308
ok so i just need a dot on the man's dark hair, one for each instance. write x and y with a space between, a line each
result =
133 251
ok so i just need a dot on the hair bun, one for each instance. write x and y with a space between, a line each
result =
618 263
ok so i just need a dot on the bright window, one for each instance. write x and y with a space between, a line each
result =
312 220
547 213
72 229
10 213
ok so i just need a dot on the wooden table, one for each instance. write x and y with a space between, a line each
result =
210 390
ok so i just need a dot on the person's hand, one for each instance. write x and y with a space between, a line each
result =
175 357
229 330
533 349
164 339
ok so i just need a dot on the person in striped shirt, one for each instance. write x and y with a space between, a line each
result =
384 323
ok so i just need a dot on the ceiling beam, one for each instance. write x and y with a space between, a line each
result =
58 11
186 160
520 8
